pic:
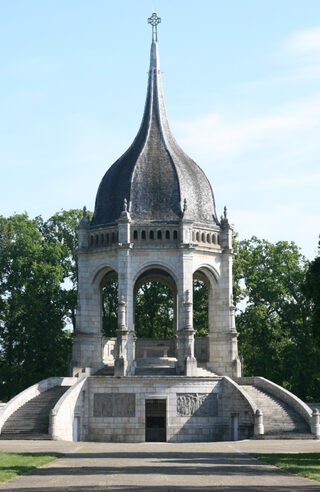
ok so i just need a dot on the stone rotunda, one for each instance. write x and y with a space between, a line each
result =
155 220
155 217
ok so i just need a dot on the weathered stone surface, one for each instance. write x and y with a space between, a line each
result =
197 404
114 405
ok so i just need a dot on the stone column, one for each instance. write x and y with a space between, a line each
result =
223 343
125 332
87 345
121 359
188 332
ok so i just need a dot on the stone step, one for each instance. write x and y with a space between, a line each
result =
157 362
32 419
279 418
155 371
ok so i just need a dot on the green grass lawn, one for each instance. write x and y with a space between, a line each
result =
13 464
305 465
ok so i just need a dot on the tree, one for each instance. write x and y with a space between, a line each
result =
274 323
154 311
62 228
200 308
34 344
311 289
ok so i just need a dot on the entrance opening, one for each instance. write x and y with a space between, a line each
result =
156 420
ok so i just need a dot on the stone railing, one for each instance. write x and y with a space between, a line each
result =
31 392
63 413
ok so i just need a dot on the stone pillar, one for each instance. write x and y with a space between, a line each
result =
87 344
188 332
125 333
223 343
315 425
258 428
187 363
121 359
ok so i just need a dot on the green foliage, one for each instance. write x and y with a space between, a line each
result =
37 260
200 308
311 289
274 325
14 464
110 308
154 311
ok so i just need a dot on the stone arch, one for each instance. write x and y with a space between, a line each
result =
148 265
100 271
157 273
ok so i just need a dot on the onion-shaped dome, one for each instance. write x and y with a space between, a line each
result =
154 175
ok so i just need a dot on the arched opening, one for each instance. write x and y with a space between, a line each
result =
159 235
151 235
167 234
135 234
201 292
155 314
109 304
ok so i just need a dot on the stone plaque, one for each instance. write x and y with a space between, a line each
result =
197 404
114 405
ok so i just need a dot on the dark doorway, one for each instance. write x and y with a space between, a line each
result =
156 420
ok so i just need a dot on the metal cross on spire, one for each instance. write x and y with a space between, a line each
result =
154 20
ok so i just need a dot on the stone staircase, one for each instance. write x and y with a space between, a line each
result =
107 370
31 421
280 420
156 366
203 372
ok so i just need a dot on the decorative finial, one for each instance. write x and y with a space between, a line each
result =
125 205
185 206
224 218
84 222
154 20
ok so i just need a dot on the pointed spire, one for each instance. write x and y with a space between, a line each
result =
154 174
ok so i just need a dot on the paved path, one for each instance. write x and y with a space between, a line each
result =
160 467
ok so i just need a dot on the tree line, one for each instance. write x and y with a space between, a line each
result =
276 291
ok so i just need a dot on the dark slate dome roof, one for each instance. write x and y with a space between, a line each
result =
154 174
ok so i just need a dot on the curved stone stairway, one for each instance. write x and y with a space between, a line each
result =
31 421
280 420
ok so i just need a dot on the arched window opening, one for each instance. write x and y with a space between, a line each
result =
102 238
113 237
107 238
203 237
109 304
218 238
135 234
167 234
175 234
193 236
151 235
214 240
92 240
200 306
159 235
97 239
143 234
208 238
198 237
154 311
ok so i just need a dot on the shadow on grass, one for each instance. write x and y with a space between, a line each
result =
14 464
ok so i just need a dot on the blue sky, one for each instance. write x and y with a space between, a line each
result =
242 89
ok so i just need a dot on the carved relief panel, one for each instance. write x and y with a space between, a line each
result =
197 404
